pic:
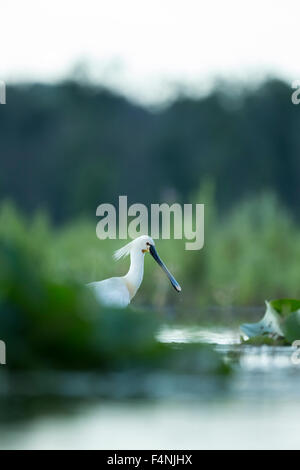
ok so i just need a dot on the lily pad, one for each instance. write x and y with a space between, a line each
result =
281 320
291 327
269 324
265 340
285 306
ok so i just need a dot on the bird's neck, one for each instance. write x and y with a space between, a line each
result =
135 274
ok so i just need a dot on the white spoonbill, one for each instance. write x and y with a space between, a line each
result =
119 291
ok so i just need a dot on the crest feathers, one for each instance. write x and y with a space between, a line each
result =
122 252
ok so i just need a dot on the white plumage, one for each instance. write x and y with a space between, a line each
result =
118 291
111 291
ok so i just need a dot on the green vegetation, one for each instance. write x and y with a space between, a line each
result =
50 321
249 255
265 340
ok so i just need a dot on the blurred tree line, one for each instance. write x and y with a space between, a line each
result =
71 146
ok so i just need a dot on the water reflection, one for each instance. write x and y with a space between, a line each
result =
196 335
256 407
164 425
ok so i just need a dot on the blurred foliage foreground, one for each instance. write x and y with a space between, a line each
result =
52 324
49 320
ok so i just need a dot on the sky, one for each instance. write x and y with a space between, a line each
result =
146 49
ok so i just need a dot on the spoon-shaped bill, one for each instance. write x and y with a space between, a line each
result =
155 255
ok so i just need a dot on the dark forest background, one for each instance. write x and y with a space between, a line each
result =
68 147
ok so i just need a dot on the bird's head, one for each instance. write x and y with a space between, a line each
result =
145 244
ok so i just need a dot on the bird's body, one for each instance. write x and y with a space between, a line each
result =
119 291
111 291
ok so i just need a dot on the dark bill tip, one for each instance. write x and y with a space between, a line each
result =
172 279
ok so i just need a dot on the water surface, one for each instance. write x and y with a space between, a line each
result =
257 407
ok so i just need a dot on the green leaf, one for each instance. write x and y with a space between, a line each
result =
291 327
285 306
265 340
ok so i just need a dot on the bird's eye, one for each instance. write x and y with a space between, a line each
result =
147 243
